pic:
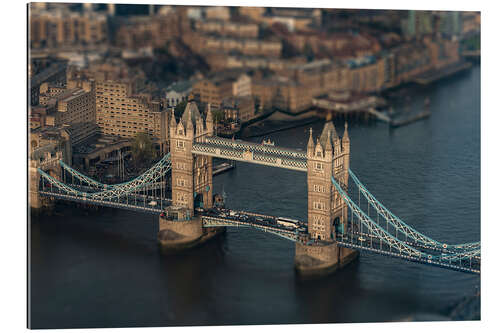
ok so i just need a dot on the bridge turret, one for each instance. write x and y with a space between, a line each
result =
318 150
209 121
346 142
180 130
200 128
346 154
173 124
310 144
189 123
328 147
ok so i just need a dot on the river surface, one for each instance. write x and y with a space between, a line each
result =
104 269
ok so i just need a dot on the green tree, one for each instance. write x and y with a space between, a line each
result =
142 149
179 109
218 115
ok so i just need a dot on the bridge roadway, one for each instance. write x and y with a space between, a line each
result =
263 154
231 218
366 242
272 224
351 239
135 202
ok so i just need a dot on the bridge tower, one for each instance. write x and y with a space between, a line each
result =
179 228
191 174
326 157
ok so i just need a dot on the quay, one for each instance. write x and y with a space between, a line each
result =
409 120
434 75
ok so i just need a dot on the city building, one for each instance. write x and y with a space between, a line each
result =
121 111
68 106
293 18
137 32
227 28
238 109
201 44
60 26
214 89
218 13
54 73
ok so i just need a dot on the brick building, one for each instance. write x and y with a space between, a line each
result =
62 27
123 112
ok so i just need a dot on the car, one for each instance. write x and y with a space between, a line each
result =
362 239
152 203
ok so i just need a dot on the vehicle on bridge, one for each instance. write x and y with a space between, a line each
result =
287 222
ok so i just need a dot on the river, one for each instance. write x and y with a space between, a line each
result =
104 269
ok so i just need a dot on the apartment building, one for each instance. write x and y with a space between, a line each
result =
228 28
62 27
239 109
123 112
63 106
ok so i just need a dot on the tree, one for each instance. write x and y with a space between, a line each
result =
142 149
179 109
218 115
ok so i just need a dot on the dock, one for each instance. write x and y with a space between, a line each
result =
379 115
409 120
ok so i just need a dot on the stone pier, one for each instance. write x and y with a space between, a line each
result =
179 231
321 258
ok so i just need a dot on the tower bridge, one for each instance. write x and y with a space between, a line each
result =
337 226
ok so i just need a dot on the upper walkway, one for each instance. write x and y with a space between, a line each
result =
264 154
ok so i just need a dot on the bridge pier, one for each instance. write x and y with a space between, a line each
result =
321 258
179 231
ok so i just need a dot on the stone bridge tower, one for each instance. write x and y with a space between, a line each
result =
327 157
191 175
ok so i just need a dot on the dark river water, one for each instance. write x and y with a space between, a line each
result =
104 269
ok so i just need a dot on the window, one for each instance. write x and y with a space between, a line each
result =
319 205
181 197
181 182
180 145
318 166
319 188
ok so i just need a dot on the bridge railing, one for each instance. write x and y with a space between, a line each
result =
381 240
405 229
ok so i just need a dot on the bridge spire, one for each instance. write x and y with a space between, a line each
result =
345 138
173 123
311 141
328 143
209 121
189 125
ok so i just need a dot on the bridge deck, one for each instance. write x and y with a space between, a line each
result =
248 153
137 203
